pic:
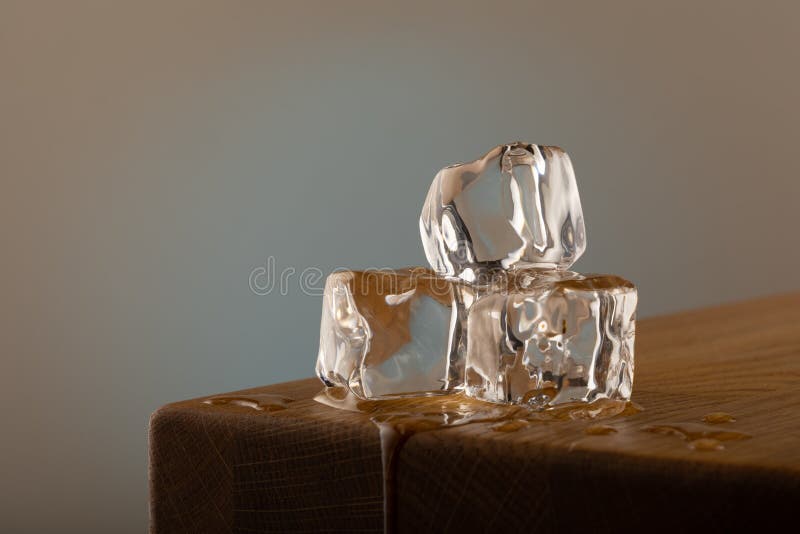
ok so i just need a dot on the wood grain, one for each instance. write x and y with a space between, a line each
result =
310 468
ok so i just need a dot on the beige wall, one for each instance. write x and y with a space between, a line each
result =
153 153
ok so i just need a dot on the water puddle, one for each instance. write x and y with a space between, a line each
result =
706 445
263 402
716 418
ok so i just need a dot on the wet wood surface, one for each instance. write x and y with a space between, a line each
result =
239 467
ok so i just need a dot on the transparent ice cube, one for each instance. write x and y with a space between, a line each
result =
391 333
516 207
550 337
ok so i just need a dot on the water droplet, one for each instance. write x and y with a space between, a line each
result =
263 402
600 430
716 418
706 444
510 426
696 431
538 398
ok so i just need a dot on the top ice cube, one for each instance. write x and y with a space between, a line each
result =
517 206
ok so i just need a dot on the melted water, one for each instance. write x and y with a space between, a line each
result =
602 409
706 444
399 419
700 437
263 402
512 425
716 418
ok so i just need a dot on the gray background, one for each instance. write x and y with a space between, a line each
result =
152 154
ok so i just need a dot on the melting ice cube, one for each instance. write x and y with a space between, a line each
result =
550 337
391 333
517 206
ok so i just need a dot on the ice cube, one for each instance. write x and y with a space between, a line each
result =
516 207
391 333
550 337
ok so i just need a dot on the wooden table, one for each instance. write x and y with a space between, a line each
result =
310 468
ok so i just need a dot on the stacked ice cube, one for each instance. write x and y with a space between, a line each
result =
499 317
